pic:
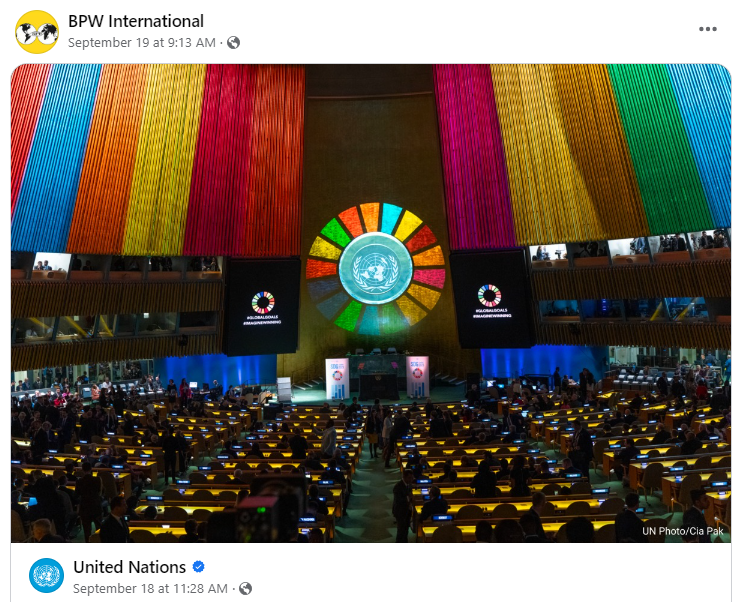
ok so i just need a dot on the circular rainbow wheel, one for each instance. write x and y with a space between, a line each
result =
375 269
489 295
263 302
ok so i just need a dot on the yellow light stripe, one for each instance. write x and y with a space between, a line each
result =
161 183
413 312
426 296
105 326
75 325
570 173
322 248
407 226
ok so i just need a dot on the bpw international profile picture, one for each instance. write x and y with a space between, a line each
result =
46 575
36 32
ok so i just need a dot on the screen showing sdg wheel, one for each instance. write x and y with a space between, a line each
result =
493 300
262 307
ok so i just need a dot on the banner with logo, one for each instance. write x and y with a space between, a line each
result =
418 375
337 378
493 299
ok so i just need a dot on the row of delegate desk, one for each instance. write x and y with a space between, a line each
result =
552 426
211 488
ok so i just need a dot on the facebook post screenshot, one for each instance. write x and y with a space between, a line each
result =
369 273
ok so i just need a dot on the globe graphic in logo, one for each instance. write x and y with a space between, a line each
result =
36 31
489 295
25 34
233 42
48 33
375 269
337 375
263 302
376 272
46 575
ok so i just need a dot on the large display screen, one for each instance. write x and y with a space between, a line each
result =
493 299
262 314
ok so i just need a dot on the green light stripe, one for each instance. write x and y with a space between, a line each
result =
390 319
671 190
350 316
335 232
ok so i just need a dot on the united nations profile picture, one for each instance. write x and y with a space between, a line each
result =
36 32
46 575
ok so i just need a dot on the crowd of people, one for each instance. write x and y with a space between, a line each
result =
716 240
76 500
204 264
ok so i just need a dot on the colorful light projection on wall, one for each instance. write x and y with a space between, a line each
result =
537 154
157 159
375 269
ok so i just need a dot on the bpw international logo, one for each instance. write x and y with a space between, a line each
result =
36 32
46 575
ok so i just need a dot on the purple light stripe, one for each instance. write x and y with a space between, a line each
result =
474 163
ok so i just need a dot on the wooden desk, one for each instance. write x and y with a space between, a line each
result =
488 506
712 254
608 456
176 528
630 259
637 469
591 262
671 256
550 524
550 264
671 486
147 466
447 489
123 480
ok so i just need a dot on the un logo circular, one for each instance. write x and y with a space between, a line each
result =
46 575
375 268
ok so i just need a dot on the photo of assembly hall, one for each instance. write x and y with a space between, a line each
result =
371 303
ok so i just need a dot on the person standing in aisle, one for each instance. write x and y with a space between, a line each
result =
402 505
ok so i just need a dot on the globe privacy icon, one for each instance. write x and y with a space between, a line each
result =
46 575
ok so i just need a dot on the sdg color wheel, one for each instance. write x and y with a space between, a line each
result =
375 269
489 295
263 302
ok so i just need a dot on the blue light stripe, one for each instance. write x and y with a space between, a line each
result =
390 213
49 189
703 95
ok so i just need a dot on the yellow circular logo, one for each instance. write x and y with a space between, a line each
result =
36 32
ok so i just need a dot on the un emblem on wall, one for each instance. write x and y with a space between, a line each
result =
376 272
375 268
